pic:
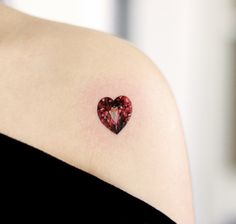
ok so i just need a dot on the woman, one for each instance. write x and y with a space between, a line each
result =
87 118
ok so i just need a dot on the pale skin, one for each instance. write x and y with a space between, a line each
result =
52 76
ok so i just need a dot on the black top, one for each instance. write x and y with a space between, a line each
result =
36 186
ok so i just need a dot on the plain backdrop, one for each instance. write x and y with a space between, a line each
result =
193 42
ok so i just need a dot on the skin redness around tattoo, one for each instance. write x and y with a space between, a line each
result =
114 114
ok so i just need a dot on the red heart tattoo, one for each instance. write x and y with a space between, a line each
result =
114 114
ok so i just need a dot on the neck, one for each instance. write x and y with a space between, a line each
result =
11 21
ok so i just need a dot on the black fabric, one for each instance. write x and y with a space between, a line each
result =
36 186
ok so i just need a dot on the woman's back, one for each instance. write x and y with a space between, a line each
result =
52 77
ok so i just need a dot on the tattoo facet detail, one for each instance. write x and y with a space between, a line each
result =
114 114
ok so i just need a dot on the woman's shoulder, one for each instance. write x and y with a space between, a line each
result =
58 74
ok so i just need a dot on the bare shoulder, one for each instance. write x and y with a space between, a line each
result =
49 100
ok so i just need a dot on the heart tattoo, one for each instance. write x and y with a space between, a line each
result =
114 114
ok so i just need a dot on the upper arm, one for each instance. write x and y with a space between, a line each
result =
148 157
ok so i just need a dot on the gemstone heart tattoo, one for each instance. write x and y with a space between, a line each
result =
114 114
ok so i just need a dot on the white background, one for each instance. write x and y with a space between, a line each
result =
193 42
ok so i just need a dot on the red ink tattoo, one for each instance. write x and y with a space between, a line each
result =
114 114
